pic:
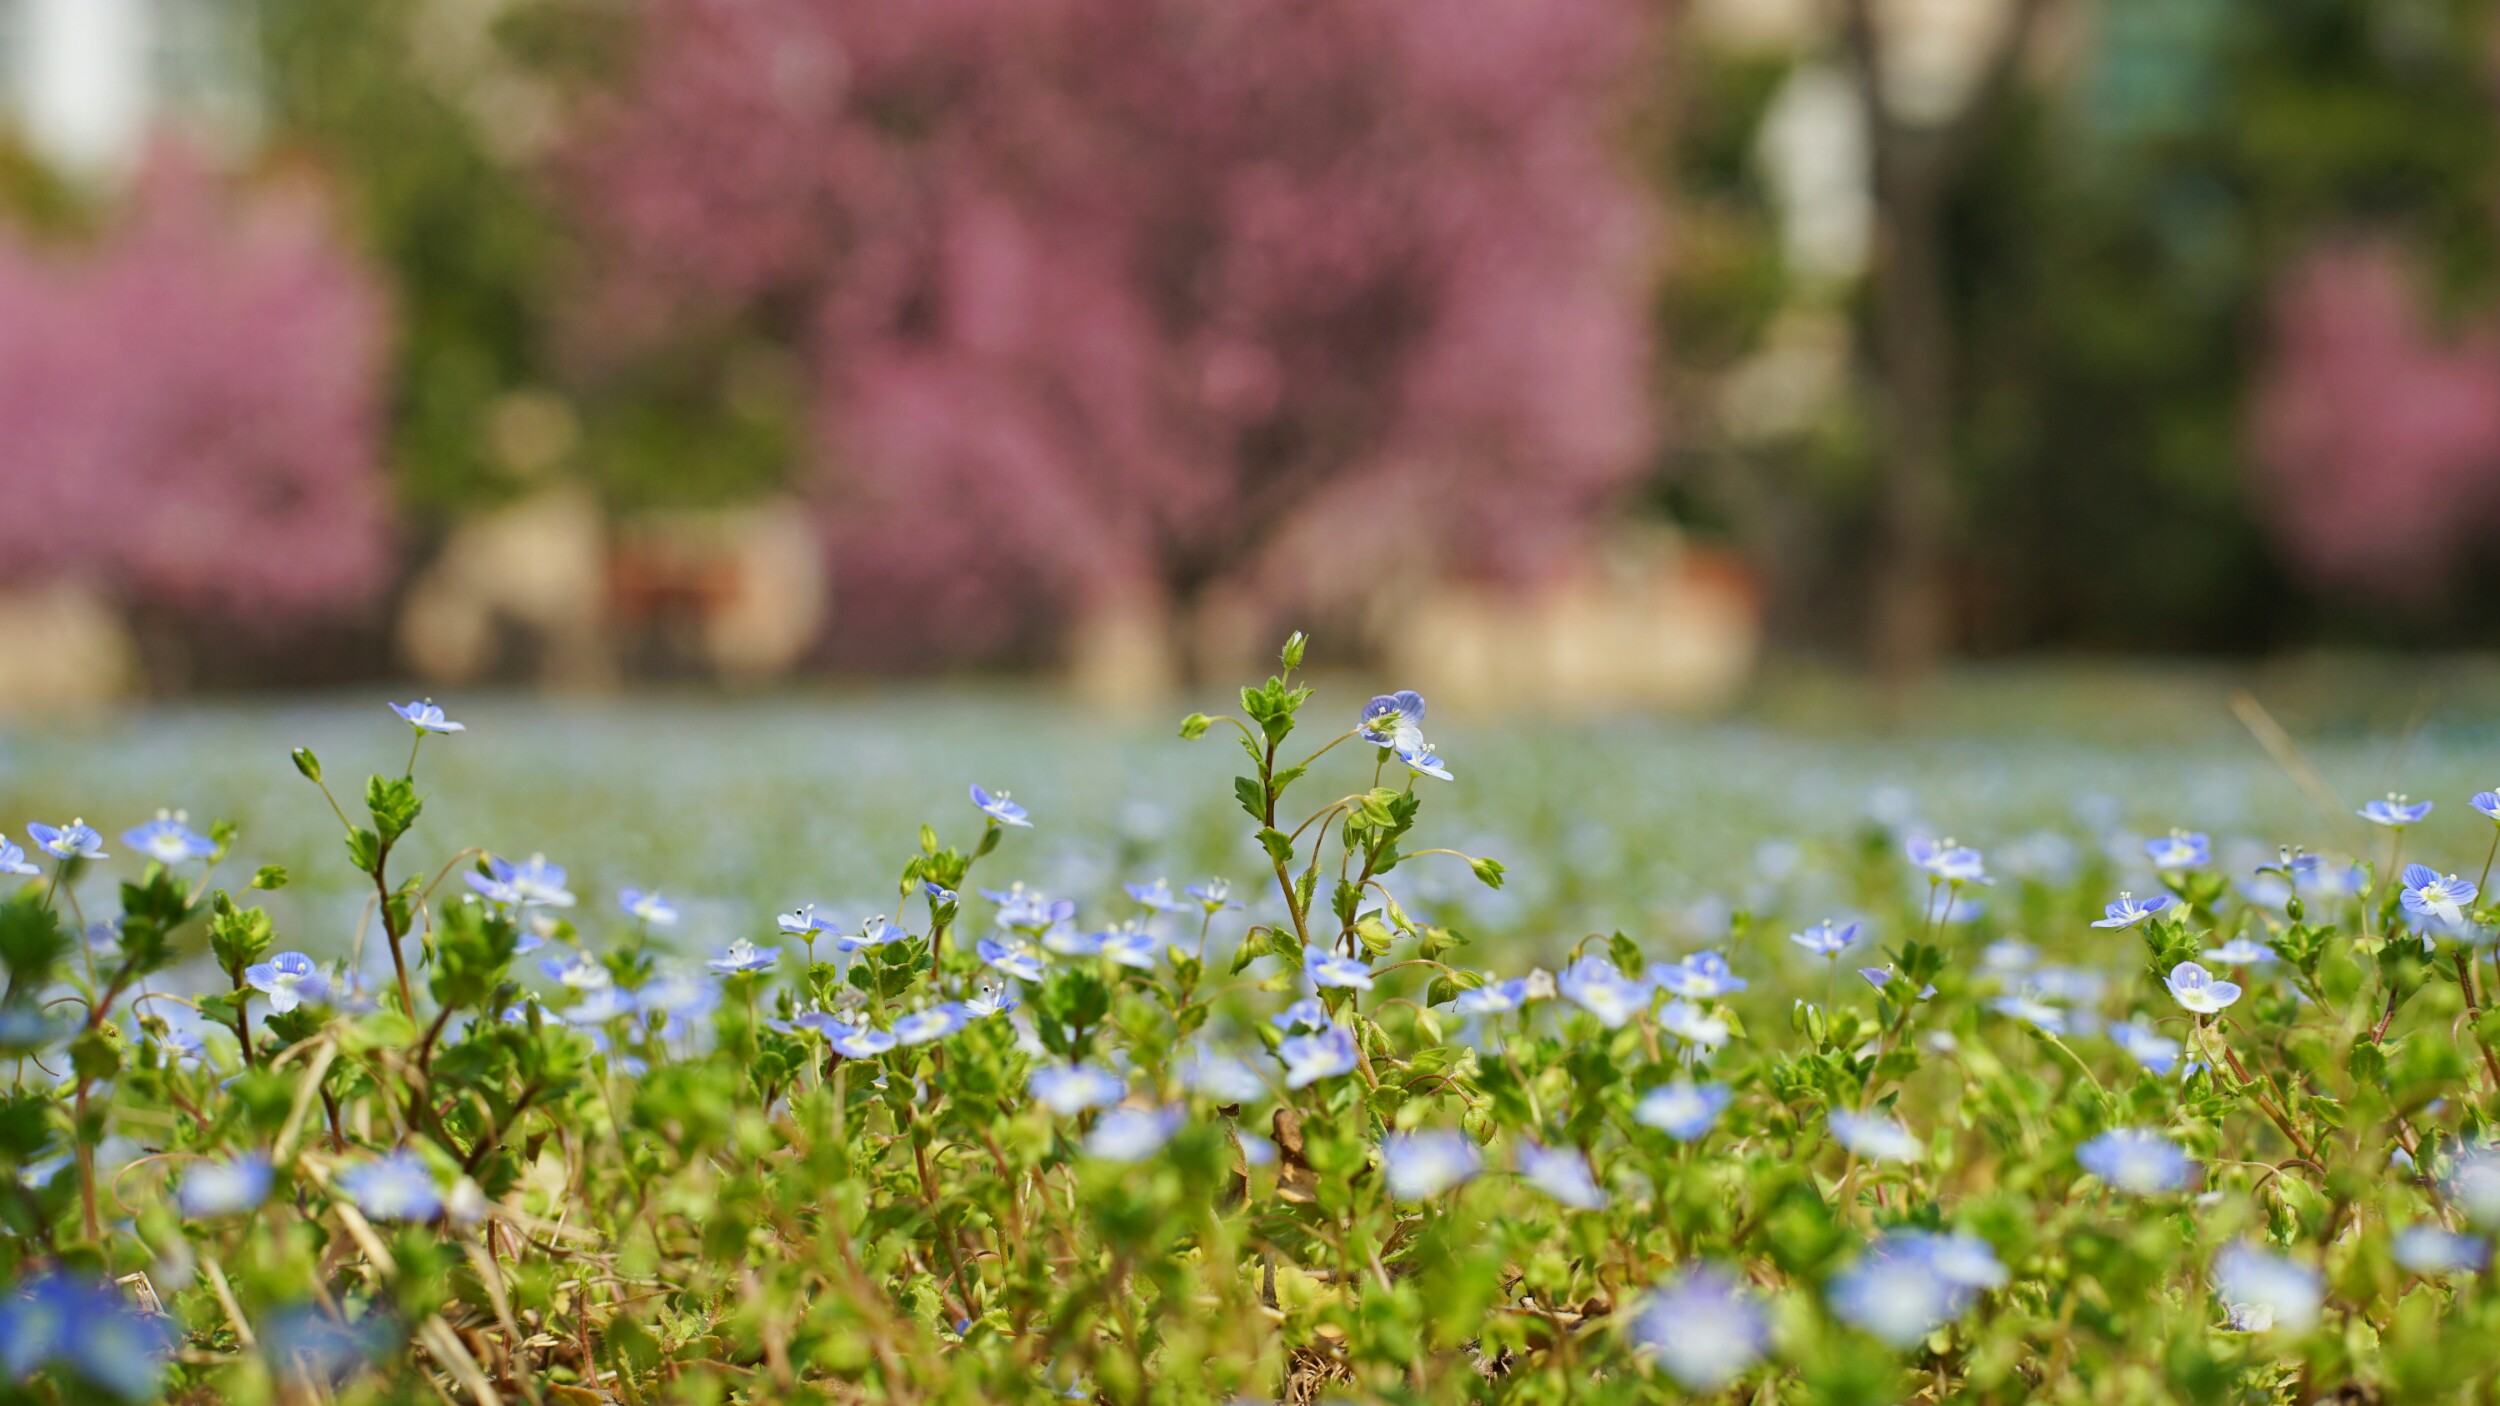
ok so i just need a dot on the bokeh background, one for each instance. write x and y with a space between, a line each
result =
769 413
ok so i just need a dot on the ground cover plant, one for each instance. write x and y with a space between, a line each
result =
2217 1133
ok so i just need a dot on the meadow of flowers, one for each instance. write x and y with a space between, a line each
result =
2029 1121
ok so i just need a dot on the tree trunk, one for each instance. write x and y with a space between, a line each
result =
1914 354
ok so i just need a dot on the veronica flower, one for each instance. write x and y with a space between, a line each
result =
2241 951
1132 1134
2265 1290
2474 1185
1703 976
1493 998
1326 968
1693 1025
13 859
648 908
1423 760
1132 947
1874 1136
1158 896
2395 812
1213 896
744 956
2138 1161
1256 1151
2425 1248
1015 961
1881 977
56 1320
876 932
533 884
225 1188
287 979
1897 1292
2126 912
76 840
1394 720
1308 1013
426 716
2155 1051
934 1023
600 1005
1222 1077
999 809
1562 1173
1701 1328
1068 1089
1311 1058
169 841
1958 1257
1949 861
860 1042
2194 988
1029 910
676 993
2180 849
992 1000
1824 939
2427 894
1598 986
2487 804
578 971
1065 940
396 1187
804 921
1420 1165
2026 1006
1682 1110
184 1047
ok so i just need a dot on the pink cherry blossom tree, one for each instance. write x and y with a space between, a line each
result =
1115 301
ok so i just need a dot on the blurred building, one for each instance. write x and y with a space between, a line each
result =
86 82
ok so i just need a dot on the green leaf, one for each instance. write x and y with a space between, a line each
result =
1253 799
269 877
1488 871
1279 845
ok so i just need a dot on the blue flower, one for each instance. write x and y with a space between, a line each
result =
1068 1089
1065 940
425 716
1703 976
1562 1173
56 1320
2138 1161
2194 988
305 1339
1131 947
579 971
996 999
2424 1248
1421 1165
804 921
1949 861
648 908
1311 1058
1682 1110
2027 1007
1157 895
1308 1013
288 979
2474 1184
999 809
860 1041
396 1187
2427 894
13 859
600 1006
2180 849
935 1023
1881 977
169 841
1702 1329
2261 1290
1027 909
1493 998
532 884
1424 760
1598 986
744 956
675 993
2125 912
1825 940
1394 720
1874 1136
1016 961
876 932
2487 803
1223 1077
2395 812
76 840
2155 1051
224 1188
1896 1294
1326 969
2241 951
1132 1134
1693 1025
1213 896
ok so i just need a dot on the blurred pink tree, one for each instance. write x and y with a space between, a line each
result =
192 409
2377 434
1137 301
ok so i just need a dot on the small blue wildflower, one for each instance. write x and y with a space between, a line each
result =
936 892
1256 1151
1132 1134
1028 910
76 840
1157 894
169 841
648 908
288 979
225 1188
2261 1290
1418 1166
2396 811
2194 988
2155 1051
1132 947
2241 951
1424 760
2138 1161
1682 1110
1874 1136
395 1187
2473 1183
804 921
1327 969
1493 998
601 1005
1065 940
1018 962
999 809
1693 1025
1213 896
1223 1077
2126 912
1311 1058
1702 1328
1598 986
13 859
2487 804
1306 1014
2428 894
1068 1089
993 1000
534 883
578 971
1948 861
2427 1249
1825 939
876 932
426 716
1897 1293
677 993
2180 849
1562 1173
2027 1007
1703 976
1394 720
744 956
57 1320
1882 977
860 1041
934 1023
